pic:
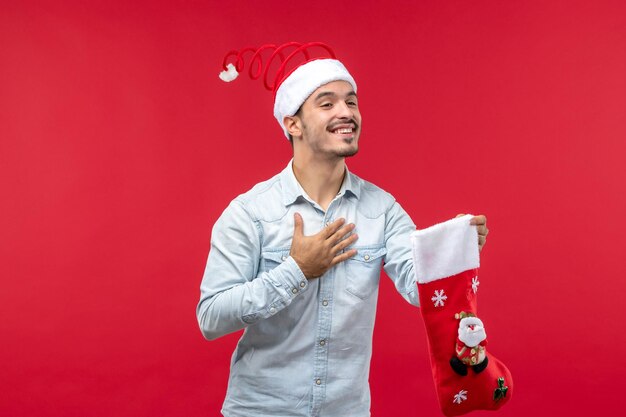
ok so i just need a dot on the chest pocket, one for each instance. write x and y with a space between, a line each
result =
272 258
363 271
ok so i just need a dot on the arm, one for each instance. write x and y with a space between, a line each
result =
233 294
399 258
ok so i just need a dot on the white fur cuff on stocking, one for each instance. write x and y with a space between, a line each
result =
445 249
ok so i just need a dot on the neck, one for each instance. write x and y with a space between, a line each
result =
321 179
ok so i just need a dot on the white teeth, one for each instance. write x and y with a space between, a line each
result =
349 130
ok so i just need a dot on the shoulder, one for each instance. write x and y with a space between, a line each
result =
264 201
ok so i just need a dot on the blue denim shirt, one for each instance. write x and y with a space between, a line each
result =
307 344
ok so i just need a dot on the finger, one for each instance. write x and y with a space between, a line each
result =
342 257
460 215
481 241
482 230
478 220
345 243
331 228
298 225
343 232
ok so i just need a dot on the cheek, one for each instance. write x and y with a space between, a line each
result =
321 123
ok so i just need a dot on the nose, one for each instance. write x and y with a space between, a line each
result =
344 111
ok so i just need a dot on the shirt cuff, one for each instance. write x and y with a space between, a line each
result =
292 277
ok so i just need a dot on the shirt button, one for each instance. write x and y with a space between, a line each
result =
324 303
294 290
284 258
272 310
322 342
366 257
318 381
302 284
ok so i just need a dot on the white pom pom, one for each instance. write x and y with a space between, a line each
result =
229 75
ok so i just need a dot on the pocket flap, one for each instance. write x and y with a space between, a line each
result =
278 256
369 254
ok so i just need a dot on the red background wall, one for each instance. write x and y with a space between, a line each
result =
119 148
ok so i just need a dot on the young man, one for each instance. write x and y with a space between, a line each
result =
296 261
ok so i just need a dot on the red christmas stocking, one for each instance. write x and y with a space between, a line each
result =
466 374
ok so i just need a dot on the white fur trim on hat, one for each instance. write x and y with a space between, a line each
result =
303 81
445 249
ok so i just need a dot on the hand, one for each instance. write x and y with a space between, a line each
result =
481 226
318 253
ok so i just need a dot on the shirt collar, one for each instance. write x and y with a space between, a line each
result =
292 189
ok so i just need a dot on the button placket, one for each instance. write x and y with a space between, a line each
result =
321 341
328 217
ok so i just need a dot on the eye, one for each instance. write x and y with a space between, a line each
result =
327 105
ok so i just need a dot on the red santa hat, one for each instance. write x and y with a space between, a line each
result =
312 65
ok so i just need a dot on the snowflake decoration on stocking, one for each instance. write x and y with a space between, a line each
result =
460 397
475 284
439 298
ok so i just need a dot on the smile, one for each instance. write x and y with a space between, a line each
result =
342 131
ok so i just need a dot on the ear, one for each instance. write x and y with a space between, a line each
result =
293 125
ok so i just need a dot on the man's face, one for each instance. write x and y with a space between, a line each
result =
331 121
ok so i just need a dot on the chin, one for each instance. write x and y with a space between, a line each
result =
352 147
348 153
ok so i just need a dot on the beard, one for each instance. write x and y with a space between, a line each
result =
472 338
348 152
353 150
316 139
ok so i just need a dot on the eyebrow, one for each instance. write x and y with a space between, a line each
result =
330 93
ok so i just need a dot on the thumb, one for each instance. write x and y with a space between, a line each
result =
298 225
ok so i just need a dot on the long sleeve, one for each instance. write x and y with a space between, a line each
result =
233 294
399 259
